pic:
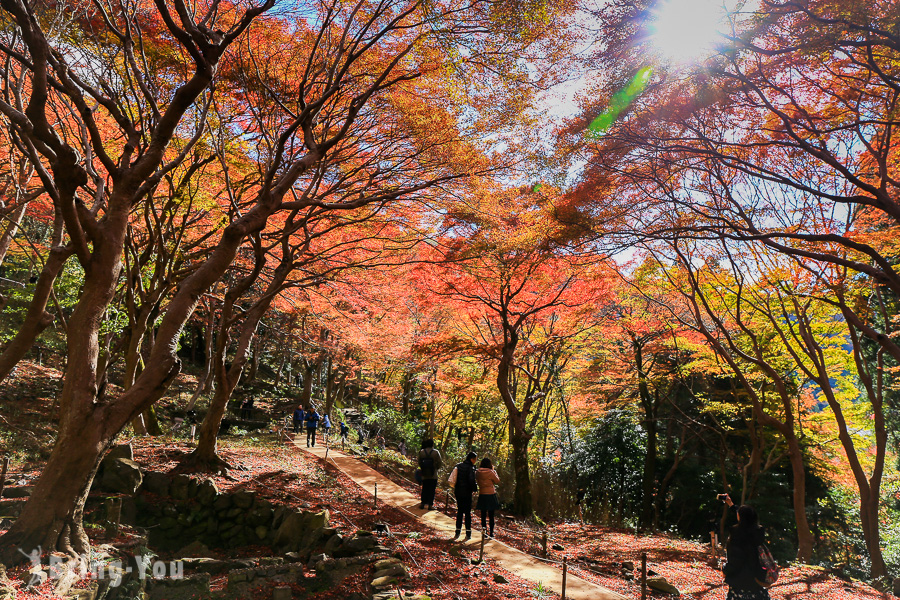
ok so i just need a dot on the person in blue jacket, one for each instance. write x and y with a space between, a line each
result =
326 425
312 421
299 417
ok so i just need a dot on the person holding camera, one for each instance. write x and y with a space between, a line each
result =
743 572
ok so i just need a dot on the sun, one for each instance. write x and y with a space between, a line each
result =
685 31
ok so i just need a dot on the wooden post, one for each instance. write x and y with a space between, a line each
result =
565 572
544 544
643 576
376 496
713 545
481 554
3 471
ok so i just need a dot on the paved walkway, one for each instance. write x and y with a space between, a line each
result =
507 557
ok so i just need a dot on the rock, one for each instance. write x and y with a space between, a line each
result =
500 578
333 543
355 545
23 491
897 586
195 549
386 562
397 570
261 532
557 547
222 503
290 532
187 588
292 557
260 515
282 592
121 475
156 483
180 488
207 492
660 584
311 539
319 519
316 559
242 499
382 582
120 451
628 565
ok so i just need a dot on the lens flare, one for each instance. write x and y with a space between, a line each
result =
686 30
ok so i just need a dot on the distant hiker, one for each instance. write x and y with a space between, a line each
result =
326 425
488 503
312 421
299 417
345 431
745 573
464 485
429 464
247 409
401 448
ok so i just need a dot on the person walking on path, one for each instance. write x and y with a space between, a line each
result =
299 417
345 431
429 464
488 504
742 570
464 485
326 425
312 421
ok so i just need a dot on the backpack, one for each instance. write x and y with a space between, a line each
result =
768 565
426 463
465 477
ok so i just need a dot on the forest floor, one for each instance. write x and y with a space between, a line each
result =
264 464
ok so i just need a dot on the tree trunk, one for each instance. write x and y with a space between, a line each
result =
14 219
55 522
36 318
804 534
205 380
522 501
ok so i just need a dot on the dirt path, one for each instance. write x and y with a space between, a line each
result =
547 573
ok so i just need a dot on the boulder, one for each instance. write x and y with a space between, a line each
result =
156 483
290 532
660 584
260 515
192 587
558 547
120 451
18 492
384 563
319 519
355 545
500 578
333 543
242 499
383 582
397 570
121 475
195 549
222 503
207 492
180 488
628 565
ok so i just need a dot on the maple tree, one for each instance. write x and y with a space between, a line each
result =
512 279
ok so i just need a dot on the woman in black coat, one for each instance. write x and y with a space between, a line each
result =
742 569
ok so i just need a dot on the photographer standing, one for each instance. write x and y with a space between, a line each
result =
743 572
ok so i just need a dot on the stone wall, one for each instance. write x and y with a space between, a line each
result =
178 510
